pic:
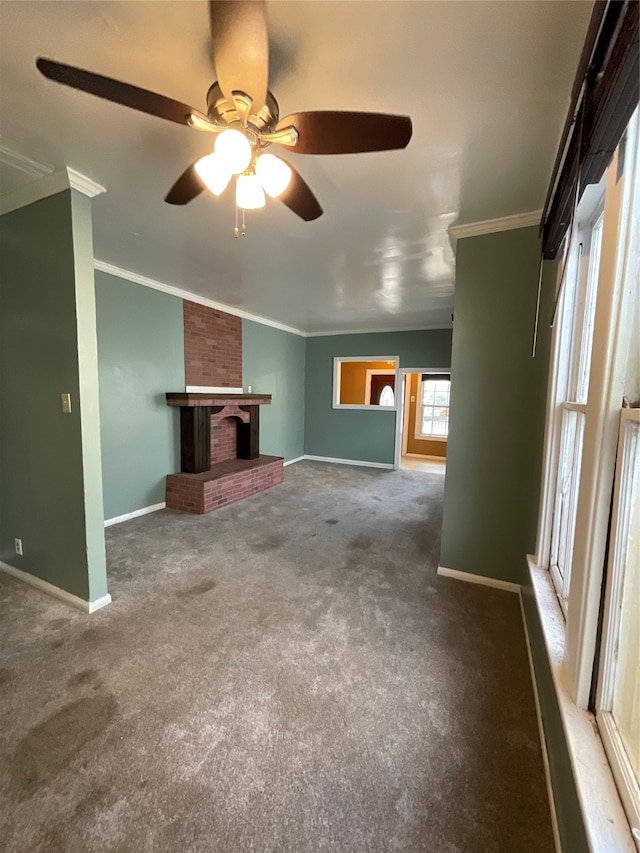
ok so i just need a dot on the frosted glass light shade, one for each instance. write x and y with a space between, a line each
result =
249 192
234 150
274 174
211 170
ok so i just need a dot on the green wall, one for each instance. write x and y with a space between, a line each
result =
496 425
141 357
366 436
49 461
494 453
273 363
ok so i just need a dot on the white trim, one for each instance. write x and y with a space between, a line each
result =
404 371
83 184
604 819
99 603
210 389
492 226
613 337
368 376
442 459
181 293
610 654
55 591
16 160
292 461
386 465
381 331
337 376
48 185
418 436
117 519
543 740
483 580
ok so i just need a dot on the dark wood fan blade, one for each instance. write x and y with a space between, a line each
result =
299 198
186 188
114 90
348 133
240 48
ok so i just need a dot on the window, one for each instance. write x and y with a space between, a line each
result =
577 312
365 382
618 697
432 415
589 546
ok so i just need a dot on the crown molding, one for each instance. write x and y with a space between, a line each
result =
181 293
83 184
49 185
380 331
25 164
492 226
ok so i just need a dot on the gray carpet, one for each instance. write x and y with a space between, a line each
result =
286 674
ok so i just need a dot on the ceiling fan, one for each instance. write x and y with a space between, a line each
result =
244 116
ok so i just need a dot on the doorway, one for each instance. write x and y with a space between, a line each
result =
422 419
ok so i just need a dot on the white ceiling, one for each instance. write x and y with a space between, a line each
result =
486 84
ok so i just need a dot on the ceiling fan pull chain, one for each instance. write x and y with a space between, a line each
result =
244 229
236 230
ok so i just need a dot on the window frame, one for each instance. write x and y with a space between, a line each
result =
616 753
580 285
572 644
367 407
420 407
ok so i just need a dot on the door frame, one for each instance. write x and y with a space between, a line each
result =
400 405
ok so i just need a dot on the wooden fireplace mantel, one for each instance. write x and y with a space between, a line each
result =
195 426
190 400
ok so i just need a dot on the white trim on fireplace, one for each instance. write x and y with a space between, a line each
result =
211 389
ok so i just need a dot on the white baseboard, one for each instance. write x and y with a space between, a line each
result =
543 740
483 580
99 603
387 465
425 456
135 514
55 591
292 461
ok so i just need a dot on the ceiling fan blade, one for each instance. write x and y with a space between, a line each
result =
240 48
120 93
346 132
299 198
186 188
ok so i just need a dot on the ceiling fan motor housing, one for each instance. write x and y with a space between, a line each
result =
223 112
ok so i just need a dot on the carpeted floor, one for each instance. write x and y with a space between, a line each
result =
286 674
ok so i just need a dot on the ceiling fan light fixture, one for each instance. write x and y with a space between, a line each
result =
249 192
274 174
234 150
213 173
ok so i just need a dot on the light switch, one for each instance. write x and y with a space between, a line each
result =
66 403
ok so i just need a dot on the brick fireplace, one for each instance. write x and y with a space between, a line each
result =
219 429
220 457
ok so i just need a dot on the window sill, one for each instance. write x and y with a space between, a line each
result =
604 819
441 438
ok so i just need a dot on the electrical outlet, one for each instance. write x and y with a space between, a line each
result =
18 544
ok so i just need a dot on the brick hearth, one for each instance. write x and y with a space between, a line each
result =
227 482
